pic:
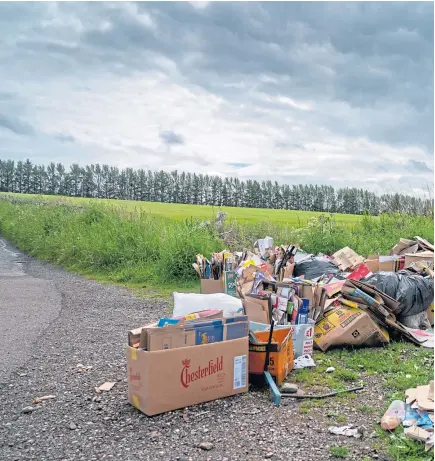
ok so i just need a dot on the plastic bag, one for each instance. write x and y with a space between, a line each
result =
414 292
314 268
188 303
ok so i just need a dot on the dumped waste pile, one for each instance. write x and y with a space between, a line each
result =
262 311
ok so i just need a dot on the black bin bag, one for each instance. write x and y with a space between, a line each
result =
314 267
414 292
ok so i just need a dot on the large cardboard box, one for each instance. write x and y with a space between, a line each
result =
165 380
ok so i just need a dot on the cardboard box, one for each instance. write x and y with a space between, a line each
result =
162 381
281 356
378 263
347 326
210 286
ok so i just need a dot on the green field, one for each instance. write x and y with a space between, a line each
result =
292 218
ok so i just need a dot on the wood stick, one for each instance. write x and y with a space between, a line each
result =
322 396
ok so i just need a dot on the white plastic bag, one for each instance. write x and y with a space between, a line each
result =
187 303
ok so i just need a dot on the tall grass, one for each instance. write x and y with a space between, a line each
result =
116 244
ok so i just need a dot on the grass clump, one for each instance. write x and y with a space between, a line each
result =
339 451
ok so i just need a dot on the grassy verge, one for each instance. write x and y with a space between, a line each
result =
148 251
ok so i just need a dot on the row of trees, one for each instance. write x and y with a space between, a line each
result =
104 181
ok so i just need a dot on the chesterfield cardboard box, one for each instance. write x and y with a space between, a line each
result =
164 380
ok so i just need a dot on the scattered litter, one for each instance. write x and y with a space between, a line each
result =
82 368
28 409
304 361
348 431
107 386
416 415
394 415
41 399
207 446
417 433
330 370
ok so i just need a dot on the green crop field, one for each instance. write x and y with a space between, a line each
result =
292 218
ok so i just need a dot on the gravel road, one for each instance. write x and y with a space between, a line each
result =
53 320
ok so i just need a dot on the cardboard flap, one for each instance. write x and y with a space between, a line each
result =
257 309
390 302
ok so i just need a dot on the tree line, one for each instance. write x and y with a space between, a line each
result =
104 181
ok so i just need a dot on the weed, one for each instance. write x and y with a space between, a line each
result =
339 451
366 409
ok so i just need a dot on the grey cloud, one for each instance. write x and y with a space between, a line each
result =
170 137
419 165
16 125
287 145
65 138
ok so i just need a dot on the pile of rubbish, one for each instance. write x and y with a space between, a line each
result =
261 312
416 414
368 298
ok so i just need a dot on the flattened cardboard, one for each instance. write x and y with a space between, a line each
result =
162 381
423 256
210 286
417 433
257 309
168 337
391 303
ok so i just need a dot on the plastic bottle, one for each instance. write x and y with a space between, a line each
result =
303 312
393 416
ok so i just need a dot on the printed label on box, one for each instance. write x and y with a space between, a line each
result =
239 371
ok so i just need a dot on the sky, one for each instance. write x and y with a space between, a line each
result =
333 93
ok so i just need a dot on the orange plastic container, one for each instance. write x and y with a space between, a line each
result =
281 356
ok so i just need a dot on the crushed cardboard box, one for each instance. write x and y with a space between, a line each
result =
348 326
346 258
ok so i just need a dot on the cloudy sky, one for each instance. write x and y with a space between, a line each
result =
326 93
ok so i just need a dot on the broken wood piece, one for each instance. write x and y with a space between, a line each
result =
107 386
430 395
417 433
322 396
